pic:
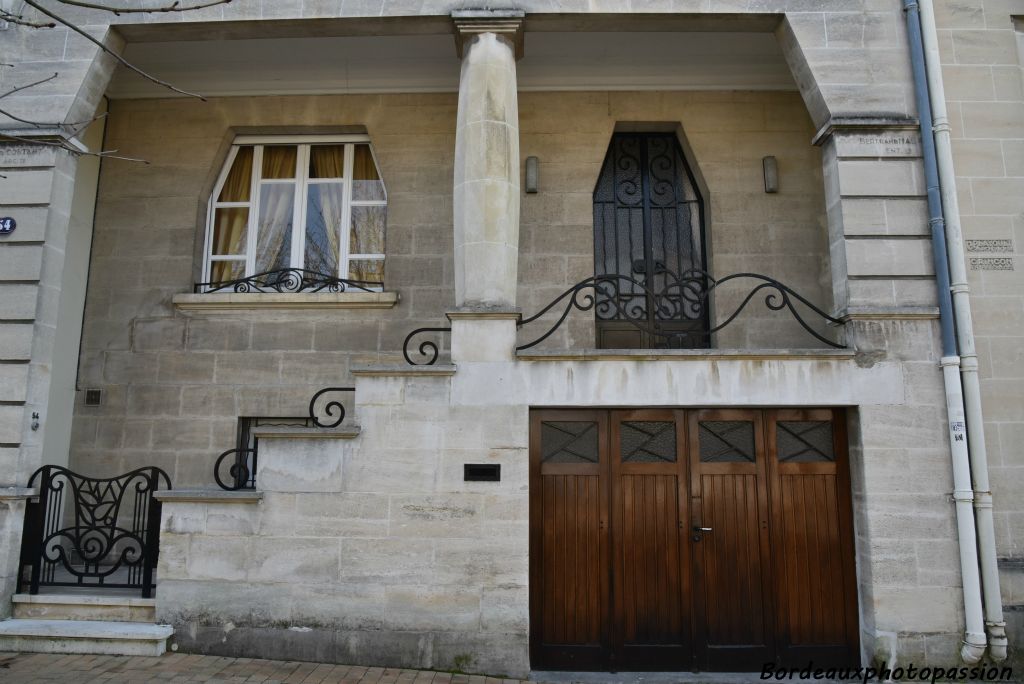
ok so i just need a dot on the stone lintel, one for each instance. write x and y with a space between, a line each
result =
503 22
858 124
240 496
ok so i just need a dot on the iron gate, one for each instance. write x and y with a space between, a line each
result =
649 245
95 532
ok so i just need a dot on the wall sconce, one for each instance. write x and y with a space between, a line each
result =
532 174
771 174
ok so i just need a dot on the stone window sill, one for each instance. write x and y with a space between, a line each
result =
235 302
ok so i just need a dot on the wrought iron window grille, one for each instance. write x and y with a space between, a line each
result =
236 468
86 531
685 298
289 280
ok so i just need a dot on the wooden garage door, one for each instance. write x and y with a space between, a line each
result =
669 539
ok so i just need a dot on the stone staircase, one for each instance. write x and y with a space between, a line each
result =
99 624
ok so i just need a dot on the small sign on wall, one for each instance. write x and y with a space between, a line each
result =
7 225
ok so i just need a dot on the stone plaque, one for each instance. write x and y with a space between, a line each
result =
991 263
990 246
891 143
15 155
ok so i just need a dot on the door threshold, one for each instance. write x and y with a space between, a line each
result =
686 677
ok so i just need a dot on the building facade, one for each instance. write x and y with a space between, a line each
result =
627 315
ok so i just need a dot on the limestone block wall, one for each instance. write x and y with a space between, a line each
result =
372 550
375 549
175 382
980 45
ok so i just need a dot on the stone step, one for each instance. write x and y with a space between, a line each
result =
95 607
91 637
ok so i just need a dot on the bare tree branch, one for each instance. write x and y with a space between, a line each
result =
101 46
21 21
29 85
175 6
68 147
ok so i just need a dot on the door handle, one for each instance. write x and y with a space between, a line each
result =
697 528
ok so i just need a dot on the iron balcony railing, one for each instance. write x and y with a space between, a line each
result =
672 316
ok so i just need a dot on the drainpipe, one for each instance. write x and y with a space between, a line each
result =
963 495
994 622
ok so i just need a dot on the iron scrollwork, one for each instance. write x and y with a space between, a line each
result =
97 531
289 280
683 298
333 409
240 474
428 350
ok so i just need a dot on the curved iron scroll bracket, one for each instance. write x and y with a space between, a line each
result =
238 471
330 409
684 297
289 280
428 349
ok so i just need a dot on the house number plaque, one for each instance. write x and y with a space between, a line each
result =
7 225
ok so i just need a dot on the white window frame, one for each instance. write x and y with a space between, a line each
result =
301 183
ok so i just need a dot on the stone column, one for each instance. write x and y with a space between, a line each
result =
487 159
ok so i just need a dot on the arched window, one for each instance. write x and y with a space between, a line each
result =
316 204
649 241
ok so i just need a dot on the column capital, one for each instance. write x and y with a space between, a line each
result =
503 22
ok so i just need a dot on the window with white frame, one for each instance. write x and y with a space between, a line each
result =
287 202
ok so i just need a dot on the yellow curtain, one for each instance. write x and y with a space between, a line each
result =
327 161
230 223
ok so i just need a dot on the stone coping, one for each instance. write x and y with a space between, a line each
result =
864 313
241 496
85 600
234 302
15 493
403 370
302 432
684 354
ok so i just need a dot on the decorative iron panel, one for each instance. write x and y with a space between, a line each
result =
648 228
726 441
569 442
804 441
648 441
86 531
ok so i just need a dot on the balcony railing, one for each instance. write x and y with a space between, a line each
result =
289 280
675 315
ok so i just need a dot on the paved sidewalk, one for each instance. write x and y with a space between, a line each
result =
24 668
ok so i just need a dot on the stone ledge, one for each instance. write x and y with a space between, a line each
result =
402 371
15 493
242 496
684 354
302 432
235 302
861 313
84 600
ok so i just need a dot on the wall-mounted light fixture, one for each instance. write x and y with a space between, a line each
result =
771 174
532 174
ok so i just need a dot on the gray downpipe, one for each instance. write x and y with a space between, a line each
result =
963 494
994 621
